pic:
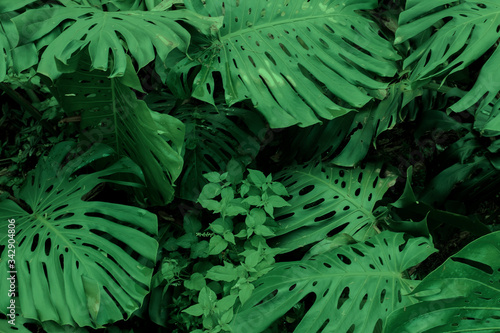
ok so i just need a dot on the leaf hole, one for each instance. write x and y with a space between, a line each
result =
34 243
344 296
382 295
282 217
313 204
283 47
358 252
302 43
478 265
48 245
251 61
325 216
363 301
306 190
270 57
344 259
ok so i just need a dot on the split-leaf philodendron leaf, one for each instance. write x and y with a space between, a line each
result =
111 113
462 295
326 200
470 30
281 53
70 256
351 289
144 34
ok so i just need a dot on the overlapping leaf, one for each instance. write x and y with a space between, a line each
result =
354 288
469 29
72 265
462 295
143 34
326 200
328 140
282 54
12 56
111 113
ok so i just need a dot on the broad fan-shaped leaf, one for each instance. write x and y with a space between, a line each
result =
462 295
72 265
328 200
281 54
353 288
111 113
470 30
213 138
143 34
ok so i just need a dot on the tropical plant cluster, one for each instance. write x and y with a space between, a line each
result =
250 166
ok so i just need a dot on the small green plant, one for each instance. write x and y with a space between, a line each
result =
236 253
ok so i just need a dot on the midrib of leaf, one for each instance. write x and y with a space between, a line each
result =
42 220
369 214
255 28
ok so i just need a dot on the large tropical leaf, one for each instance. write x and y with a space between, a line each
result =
213 138
462 295
70 257
111 113
329 200
354 288
467 30
282 54
143 34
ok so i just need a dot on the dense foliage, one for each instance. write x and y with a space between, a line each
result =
250 166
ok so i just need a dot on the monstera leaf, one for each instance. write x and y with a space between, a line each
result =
213 138
462 295
471 29
70 257
328 200
281 54
354 288
143 34
111 113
